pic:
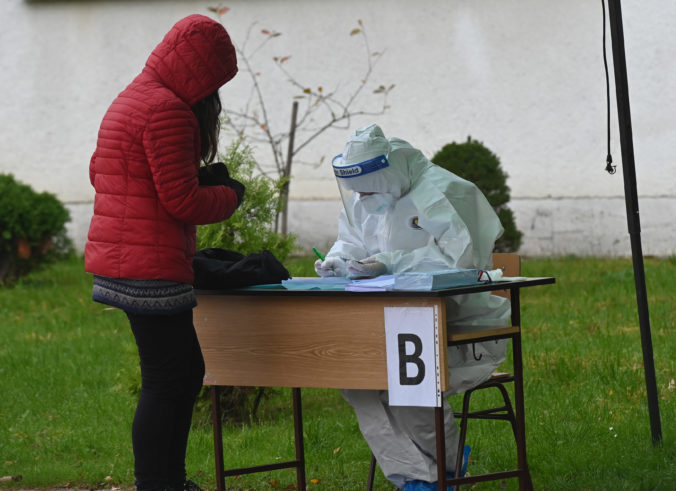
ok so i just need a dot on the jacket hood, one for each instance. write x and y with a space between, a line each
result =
195 58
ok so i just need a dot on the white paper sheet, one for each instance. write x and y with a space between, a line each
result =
377 284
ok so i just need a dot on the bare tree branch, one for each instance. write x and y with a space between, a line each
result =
321 109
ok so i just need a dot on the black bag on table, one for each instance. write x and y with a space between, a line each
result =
219 269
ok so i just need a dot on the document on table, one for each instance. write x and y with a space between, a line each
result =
328 283
411 281
436 280
377 284
416 281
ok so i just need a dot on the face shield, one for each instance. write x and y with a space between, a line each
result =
363 180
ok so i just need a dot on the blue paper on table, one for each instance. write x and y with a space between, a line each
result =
377 284
436 280
330 283
265 286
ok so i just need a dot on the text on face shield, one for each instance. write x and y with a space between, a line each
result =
351 171
366 167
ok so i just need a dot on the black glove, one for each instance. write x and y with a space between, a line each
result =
213 174
217 175
237 187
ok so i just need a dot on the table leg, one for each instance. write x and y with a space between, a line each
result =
525 482
218 436
524 478
372 473
441 447
298 433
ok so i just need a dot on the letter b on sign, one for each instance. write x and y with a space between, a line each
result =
410 349
411 334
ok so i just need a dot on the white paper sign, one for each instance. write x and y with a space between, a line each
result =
411 338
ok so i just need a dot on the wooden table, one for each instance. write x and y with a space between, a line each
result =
322 339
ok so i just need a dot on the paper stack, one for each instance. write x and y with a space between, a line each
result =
425 281
435 280
377 284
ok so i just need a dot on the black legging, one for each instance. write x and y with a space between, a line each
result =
172 369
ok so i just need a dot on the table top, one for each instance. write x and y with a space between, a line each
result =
521 282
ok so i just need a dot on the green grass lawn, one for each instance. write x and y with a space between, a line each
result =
66 407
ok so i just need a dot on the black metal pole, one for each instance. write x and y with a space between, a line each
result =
633 222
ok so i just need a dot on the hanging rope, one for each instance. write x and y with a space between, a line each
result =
610 168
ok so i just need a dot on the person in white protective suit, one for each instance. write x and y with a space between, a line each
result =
403 213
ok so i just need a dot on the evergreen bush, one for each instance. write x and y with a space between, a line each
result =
250 229
32 228
474 162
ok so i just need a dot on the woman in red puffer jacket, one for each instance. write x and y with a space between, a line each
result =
145 171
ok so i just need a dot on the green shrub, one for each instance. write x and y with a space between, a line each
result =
239 405
251 227
474 162
32 228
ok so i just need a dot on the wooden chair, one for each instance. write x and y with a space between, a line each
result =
511 266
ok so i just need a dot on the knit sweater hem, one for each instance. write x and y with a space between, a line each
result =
150 297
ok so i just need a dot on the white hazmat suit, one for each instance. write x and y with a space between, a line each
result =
403 213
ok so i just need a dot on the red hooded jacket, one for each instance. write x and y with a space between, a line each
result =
145 167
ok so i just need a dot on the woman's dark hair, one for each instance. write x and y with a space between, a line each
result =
207 112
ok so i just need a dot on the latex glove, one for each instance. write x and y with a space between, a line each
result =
331 266
367 267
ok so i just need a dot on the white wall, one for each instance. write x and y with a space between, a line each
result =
523 76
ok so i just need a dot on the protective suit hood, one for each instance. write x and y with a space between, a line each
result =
367 144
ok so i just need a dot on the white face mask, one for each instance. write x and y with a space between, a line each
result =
376 204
